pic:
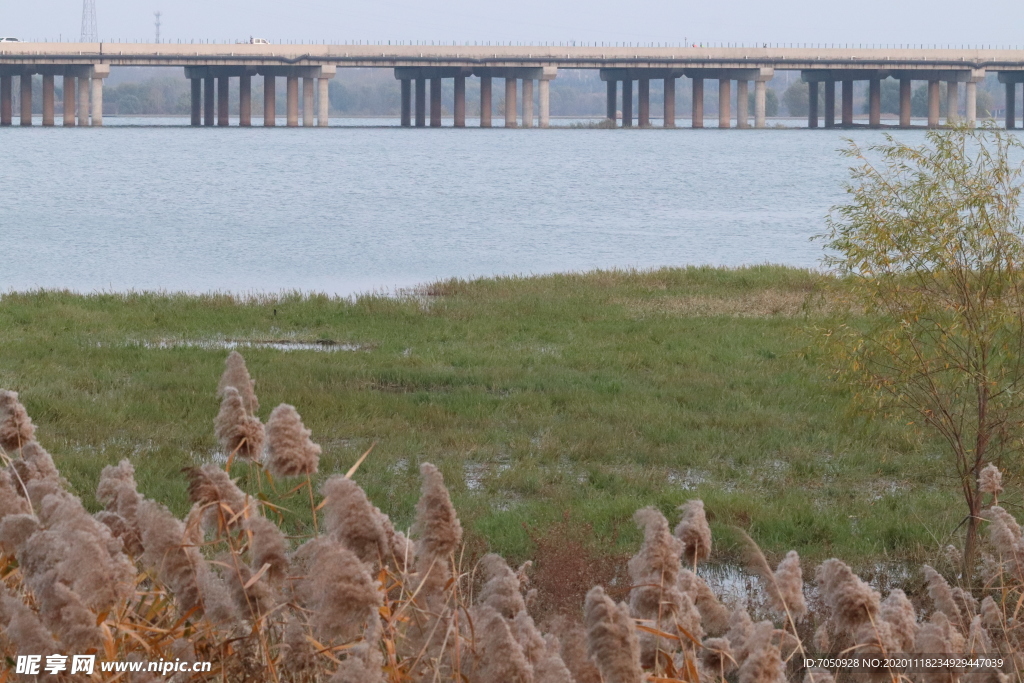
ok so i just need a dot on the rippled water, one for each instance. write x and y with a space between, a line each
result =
354 208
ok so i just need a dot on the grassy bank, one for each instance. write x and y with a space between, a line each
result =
552 405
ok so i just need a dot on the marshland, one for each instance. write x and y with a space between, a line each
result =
558 403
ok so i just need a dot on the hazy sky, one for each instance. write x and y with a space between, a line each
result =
864 21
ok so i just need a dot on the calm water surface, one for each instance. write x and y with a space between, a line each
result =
352 209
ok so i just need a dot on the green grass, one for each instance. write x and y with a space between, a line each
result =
568 397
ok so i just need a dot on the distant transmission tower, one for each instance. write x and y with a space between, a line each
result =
89 32
157 22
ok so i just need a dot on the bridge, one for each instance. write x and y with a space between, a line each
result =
83 66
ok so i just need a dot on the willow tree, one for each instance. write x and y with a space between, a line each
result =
930 247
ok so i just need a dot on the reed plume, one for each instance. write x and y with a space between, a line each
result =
90 560
67 615
15 529
978 640
215 594
299 657
898 611
38 463
877 638
790 582
785 586
236 375
717 658
224 505
941 595
499 656
24 631
694 532
714 616
655 595
740 628
252 596
611 638
354 521
118 492
12 499
238 431
437 529
268 547
573 641
16 428
343 595
990 480
991 615
851 601
542 652
290 452
168 552
501 589
762 662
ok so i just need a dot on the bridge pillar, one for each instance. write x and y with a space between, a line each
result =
760 103
611 102
324 103
972 102
812 104
724 97
208 88
527 103
545 102
83 100
308 102
933 104
627 103
435 102
48 99
222 100
460 102
875 102
830 104
421 102
952 102
26 99
292 101
510 103
197 101
486 103
742 104
245 100
847 103
97 96
6 100
407 102
670 102
269 100
697 114
905 92
1011 105
69 100
643 97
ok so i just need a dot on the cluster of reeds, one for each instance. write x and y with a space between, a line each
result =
358 601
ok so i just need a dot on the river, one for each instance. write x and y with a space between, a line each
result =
372 207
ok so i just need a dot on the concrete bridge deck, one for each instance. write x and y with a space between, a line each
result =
211 65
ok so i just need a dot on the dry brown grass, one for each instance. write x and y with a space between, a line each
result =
766 303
